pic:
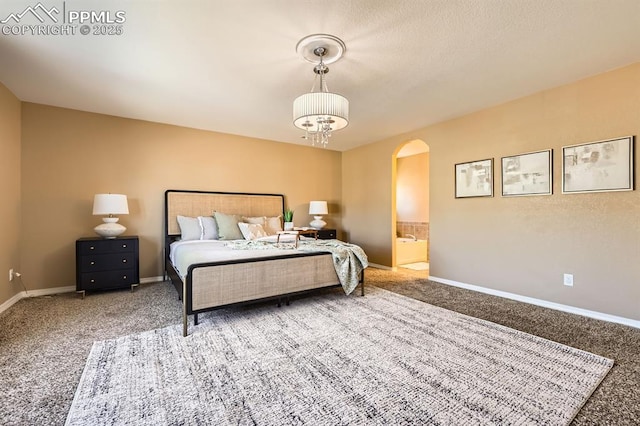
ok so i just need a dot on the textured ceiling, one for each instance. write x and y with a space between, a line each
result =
231 66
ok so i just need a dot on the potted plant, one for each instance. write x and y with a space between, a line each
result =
288 220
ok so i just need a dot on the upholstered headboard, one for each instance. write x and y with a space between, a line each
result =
202 203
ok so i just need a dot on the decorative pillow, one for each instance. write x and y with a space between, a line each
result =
273 225
228 226
189 227
261 220
251 231
209 228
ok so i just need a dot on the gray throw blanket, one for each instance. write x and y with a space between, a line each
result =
349 260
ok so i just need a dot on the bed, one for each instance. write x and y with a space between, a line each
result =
275 273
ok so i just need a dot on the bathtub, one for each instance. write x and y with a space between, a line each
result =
409 250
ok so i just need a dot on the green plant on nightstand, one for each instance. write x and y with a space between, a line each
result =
288 215
288 219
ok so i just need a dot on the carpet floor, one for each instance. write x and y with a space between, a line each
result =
45 342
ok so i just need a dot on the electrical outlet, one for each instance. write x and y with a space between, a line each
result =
568 280
11 275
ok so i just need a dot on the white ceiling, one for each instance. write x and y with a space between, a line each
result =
231 65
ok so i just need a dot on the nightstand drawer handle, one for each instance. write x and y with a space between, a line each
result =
93 281
124 260
124 277
93 263
92 248
124 246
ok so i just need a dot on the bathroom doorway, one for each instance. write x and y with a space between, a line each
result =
411 184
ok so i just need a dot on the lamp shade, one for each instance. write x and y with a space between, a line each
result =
314 108
318 207
110 204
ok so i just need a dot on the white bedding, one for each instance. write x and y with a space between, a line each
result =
349 260
185 253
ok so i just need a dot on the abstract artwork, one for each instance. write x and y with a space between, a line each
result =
598 166
527 174
474 179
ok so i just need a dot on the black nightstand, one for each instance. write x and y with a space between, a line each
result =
106 264
327 234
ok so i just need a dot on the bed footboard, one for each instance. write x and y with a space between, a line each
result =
222 284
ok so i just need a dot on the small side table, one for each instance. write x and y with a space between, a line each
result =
307 232
298 233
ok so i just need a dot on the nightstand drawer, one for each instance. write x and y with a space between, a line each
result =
106 262
106 246
108 279
327 234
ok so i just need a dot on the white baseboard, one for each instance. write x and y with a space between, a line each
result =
386 268
9 303
539 302
151 280
49 291
58 290
35 293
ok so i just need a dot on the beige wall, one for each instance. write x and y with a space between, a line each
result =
10 190
521 245
412 188
68 156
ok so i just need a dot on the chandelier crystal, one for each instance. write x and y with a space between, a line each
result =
321 112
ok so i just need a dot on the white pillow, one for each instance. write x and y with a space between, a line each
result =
251 231
190 228
273 225
209 228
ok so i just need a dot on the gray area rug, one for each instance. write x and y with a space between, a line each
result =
331 359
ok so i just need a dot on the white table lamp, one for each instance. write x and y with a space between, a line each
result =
110 204
318 208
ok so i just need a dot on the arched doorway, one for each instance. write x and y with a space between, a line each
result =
411 207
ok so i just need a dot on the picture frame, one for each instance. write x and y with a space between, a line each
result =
474 179
601 166
526 174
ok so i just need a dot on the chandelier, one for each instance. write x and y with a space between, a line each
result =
320 112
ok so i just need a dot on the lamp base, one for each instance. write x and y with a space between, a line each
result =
318 223
110 228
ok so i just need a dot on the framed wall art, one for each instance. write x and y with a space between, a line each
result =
598 166
527 174
474 179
